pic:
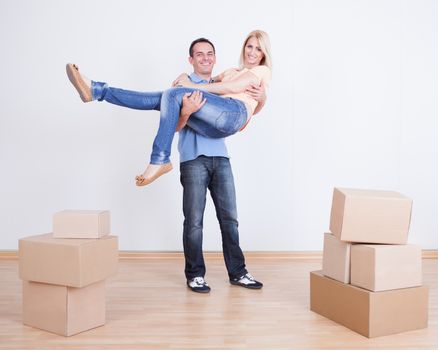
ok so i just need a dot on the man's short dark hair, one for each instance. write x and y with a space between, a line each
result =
200 40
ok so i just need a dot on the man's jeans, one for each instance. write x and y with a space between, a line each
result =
215 174
219 117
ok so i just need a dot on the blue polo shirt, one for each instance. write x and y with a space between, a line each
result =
192 145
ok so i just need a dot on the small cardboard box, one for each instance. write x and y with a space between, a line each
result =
384 267
67 262
371 314
63 310
370 216
336 258
81 224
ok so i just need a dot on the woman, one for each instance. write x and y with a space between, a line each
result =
219 116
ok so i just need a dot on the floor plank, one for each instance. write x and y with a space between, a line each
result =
149 307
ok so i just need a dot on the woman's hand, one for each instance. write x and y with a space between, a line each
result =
181 78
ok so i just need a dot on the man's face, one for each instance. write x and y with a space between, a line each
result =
203 59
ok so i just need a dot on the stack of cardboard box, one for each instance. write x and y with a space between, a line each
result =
371 281
64 272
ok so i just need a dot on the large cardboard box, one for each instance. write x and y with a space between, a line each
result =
371 314
383 267
63 310
81 224
336 258
370 216
67 262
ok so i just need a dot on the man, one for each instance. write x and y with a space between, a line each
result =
204 164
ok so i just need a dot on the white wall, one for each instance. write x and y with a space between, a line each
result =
353 103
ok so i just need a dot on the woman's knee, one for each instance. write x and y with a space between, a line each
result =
175 93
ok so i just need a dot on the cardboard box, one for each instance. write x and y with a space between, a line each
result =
81 224
336 258
370 216
371 314
384 267
63 310
67 262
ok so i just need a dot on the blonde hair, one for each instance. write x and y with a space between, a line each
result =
265 45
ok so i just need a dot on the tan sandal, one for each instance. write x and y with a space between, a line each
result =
78 82
141 180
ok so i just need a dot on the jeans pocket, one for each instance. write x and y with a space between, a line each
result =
229 122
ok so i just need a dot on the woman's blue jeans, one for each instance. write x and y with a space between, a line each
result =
219 117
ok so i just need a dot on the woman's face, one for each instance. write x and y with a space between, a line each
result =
253 53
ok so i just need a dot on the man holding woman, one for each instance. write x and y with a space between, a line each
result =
203 154
220 116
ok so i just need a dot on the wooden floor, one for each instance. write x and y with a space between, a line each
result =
149 307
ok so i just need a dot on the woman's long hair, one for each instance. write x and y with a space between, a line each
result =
265 45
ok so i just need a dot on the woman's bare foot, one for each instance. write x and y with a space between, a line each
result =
152 172
80 82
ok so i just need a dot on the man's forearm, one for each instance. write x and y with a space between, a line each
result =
183 116
259 106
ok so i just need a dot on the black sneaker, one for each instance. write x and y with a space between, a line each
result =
198 285
247 281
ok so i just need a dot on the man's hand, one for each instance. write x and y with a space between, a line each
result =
191 103
257 92
181 78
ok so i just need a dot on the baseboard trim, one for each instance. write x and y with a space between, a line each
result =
218 255
140 255
8 254
430 254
